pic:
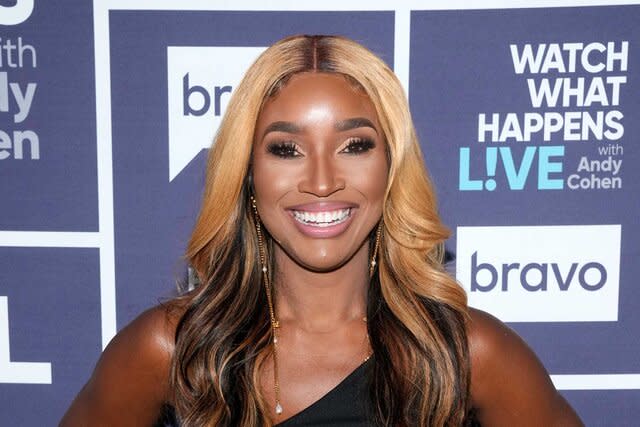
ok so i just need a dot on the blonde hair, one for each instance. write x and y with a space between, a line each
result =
414 306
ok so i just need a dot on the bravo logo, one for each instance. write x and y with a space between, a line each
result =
200 82
541 270
16 14
541 273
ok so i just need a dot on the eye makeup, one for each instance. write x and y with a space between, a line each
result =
289 149
283 149
359 146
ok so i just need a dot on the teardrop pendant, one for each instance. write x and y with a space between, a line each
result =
278 408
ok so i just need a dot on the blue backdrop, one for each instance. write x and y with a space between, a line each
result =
527 119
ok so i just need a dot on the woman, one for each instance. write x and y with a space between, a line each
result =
323 296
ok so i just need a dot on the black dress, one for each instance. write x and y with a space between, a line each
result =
345 405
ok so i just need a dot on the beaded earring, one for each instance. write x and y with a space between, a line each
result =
374 254
272 317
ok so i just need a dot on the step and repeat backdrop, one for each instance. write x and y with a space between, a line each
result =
529 119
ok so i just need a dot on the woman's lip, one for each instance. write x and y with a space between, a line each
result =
324 232
322 206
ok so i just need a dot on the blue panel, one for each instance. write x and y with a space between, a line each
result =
604 408
54 316
461 66
58 190
153 217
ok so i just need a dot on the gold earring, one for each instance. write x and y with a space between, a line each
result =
272 317
376 246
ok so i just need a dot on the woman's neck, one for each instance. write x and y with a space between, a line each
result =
320 302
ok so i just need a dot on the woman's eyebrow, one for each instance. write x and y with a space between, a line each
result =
353 123
287 127
341 126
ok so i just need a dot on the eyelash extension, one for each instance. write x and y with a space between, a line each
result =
288 149
284 149
359 145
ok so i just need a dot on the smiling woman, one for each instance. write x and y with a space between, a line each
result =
323 298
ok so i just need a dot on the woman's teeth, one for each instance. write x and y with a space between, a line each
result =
322 219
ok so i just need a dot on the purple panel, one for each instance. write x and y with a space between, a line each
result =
153 217
461 66
53 185
54 316
606 407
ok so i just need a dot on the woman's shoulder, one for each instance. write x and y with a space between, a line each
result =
148 340
487 334
130 382
499 357
509 384
152 333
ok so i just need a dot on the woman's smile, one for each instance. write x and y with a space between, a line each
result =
323 219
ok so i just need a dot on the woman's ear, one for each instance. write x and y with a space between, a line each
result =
249 182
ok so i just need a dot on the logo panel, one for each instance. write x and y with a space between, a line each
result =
201 80
162 121
49 330
47 118
541 274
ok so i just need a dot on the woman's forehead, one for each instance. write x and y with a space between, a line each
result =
310 96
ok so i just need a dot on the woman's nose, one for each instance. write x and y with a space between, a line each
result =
321 177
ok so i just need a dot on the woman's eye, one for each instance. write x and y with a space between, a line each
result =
283 149
358 146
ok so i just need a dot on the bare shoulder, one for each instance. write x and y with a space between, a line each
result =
151 335
131 379
509 385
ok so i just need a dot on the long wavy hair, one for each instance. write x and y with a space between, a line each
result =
416 312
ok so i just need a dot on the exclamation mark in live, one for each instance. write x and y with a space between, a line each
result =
492 160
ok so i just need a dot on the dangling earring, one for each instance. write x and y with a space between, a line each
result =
374 254
272 317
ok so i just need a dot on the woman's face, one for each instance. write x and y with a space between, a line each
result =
319 169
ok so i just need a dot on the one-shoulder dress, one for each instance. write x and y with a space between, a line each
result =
345 405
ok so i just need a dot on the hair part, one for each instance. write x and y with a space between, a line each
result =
416 311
